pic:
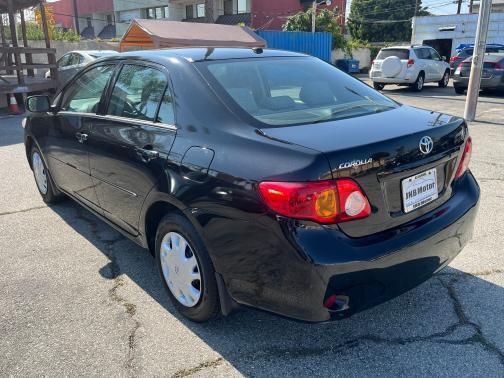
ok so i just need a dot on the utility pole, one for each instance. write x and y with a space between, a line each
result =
76 17
413 26
477 60
470 6
314 16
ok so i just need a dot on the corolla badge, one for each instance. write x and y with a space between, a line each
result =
426 145
355 163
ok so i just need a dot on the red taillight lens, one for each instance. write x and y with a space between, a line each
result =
410 63
466 157
331 201
454 58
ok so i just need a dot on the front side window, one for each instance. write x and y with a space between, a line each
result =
84 95
290 91
63 61
200 10
137 92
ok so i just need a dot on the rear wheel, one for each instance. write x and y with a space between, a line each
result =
43 179
419 83
186 269
378 86
459 90
443 83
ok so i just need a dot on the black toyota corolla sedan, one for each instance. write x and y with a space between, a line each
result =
259 177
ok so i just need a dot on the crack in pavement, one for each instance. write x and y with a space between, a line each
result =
23 210
203 366
113 271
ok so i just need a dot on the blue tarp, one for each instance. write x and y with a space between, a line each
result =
463 46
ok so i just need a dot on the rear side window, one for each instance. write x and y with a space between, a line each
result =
290 91
423 53
400 53
85 93
166 114
63 61
137 92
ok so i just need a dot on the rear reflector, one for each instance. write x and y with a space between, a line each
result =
466 157
330 201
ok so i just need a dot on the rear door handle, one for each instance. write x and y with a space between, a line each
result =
81 137
148 154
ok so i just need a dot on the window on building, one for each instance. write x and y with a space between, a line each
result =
189 12
241 6
228 6
200 10
157 13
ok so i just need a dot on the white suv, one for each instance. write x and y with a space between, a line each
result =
409 65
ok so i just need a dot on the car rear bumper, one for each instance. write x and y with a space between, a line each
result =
496 81
360 272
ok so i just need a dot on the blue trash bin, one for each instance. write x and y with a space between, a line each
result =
348 65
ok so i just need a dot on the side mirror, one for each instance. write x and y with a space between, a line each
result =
38 104
443 58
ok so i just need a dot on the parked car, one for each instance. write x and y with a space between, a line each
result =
492 76
467 51
74 61
259 177
409 65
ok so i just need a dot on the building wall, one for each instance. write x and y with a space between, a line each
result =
427 28
63 12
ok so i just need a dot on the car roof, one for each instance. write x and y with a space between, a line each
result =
196 54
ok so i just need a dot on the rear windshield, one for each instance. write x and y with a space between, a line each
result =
400 53
292 91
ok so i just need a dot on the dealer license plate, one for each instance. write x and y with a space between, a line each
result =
419 190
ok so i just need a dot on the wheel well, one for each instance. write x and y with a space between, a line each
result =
421 73
154 215
28 145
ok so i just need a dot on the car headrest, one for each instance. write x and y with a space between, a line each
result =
317 93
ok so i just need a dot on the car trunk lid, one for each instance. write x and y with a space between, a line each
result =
381 150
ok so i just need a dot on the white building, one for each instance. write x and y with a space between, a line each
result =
445 33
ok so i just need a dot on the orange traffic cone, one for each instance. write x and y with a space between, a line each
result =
13 105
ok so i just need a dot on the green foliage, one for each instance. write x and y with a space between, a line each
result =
382 20
326 21
35 33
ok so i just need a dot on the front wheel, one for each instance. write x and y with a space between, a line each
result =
443 83
43 179
378 86
419 83
186 269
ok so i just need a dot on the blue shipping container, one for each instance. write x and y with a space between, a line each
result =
316 44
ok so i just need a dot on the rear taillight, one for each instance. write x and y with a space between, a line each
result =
410 63
455 59
331 201
494 65
466 157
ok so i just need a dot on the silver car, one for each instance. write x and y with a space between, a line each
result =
492 76
73 61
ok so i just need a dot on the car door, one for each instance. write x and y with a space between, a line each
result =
425 63
439 66
130 143
67 141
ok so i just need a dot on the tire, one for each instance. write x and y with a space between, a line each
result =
43 179
178 278
459 90
378 86
443 83
418 85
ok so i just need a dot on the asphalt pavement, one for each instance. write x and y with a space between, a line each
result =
76 298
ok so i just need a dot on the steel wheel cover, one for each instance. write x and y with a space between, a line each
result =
39 172
180 269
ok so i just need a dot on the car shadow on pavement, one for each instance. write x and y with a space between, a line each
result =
10 130
451 310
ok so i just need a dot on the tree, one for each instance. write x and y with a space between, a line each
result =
326 21
383 20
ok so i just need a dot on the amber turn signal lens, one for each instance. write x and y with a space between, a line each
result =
326 205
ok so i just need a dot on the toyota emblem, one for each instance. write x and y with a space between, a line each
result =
426 144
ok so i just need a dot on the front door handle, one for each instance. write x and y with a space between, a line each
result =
148 154
81 138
